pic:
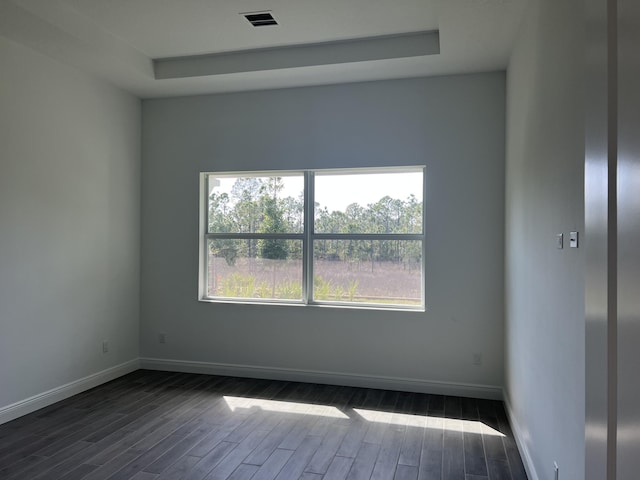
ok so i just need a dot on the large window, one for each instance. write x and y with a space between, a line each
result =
329 237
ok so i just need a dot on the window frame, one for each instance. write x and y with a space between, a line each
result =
308 237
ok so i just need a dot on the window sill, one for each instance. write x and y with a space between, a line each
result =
392 308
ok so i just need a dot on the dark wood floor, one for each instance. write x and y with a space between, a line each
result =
159 425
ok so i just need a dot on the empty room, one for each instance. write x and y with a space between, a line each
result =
319 239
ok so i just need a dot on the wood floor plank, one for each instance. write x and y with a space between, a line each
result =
15 439
364 462
153 425
353 439
37 443
298 433
343 396
144 476
516 466
321 460
112 466
82 455
21 467
79 472
181 447
19 455
234 459
339 468
499 470
377 428
211 440
430 467
147 437
453 452
452 407
128 438
271 468
180 468
406 472
494 447
436 405
411 446
166 406
303 425
120 423
59 464
310 476
149 456
127 395
86 433
371 400
469 408
412 442
326 396
301 457
513 455
244 472
252 421
474 455
268 445
475 465
358 397
209 461
387 461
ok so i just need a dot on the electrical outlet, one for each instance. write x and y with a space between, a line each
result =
105 346
556 470
477 359
573 239
162 337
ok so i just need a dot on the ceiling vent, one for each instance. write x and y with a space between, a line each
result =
260 19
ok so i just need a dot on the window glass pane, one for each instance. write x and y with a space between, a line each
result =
380 202
265 268
367 271
255 204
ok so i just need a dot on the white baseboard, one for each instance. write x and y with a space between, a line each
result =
517 433
36 402
331 378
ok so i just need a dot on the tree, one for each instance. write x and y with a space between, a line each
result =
246 213
219 222
273 222
256 208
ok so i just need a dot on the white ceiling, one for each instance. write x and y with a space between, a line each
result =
172 28
118 39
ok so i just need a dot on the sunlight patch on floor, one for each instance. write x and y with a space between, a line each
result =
378 416
424 421
284 407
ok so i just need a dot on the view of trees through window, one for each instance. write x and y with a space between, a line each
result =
366 243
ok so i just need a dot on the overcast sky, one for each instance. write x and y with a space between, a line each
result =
336 192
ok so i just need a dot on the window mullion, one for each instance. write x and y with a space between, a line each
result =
307 255
255 236
369 236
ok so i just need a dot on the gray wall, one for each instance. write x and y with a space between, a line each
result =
69 224
454 125
545 332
